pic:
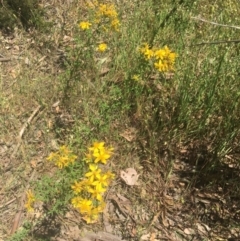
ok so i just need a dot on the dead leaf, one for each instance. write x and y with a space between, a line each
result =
27 61
58 109
129 134
56 104
203 228
152 237
104 71
169 200
145 237
16 47
130 176
33 163
132 231
189 231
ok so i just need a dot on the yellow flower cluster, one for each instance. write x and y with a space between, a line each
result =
102 47
105 14
30 201
63 157
89 192
84 25
164 58
98 153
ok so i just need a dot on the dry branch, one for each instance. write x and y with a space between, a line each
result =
219 42
214 23
25 125
5 59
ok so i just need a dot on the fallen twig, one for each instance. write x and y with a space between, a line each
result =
214 23
218 42
6 204
5 59
26 124
217 24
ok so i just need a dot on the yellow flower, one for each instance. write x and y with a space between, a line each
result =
85 25
136 77
115 24
85 206
102 181
160 54
108 14
97 192
111 11
91 216
102 9
165 59
101 156
63 157
77 187
30 201
88 157
97 146
167 50
161 66
61 162
65 161
107 10
64 150
101 206
110 176
147 52
102 47
171 57
109 151
84 185
95 171
76 202
30 195
99 152
52 156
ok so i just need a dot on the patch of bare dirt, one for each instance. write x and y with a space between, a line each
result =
29 68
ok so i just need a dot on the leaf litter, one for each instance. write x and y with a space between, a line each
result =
176 207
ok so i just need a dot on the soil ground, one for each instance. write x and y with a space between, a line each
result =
29 68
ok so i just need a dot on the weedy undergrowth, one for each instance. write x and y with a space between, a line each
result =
179 91
79 182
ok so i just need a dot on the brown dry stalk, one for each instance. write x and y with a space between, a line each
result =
5 59
25 125
7 203
214 23
17 217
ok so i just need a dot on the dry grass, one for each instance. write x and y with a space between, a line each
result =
180 196
28 80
